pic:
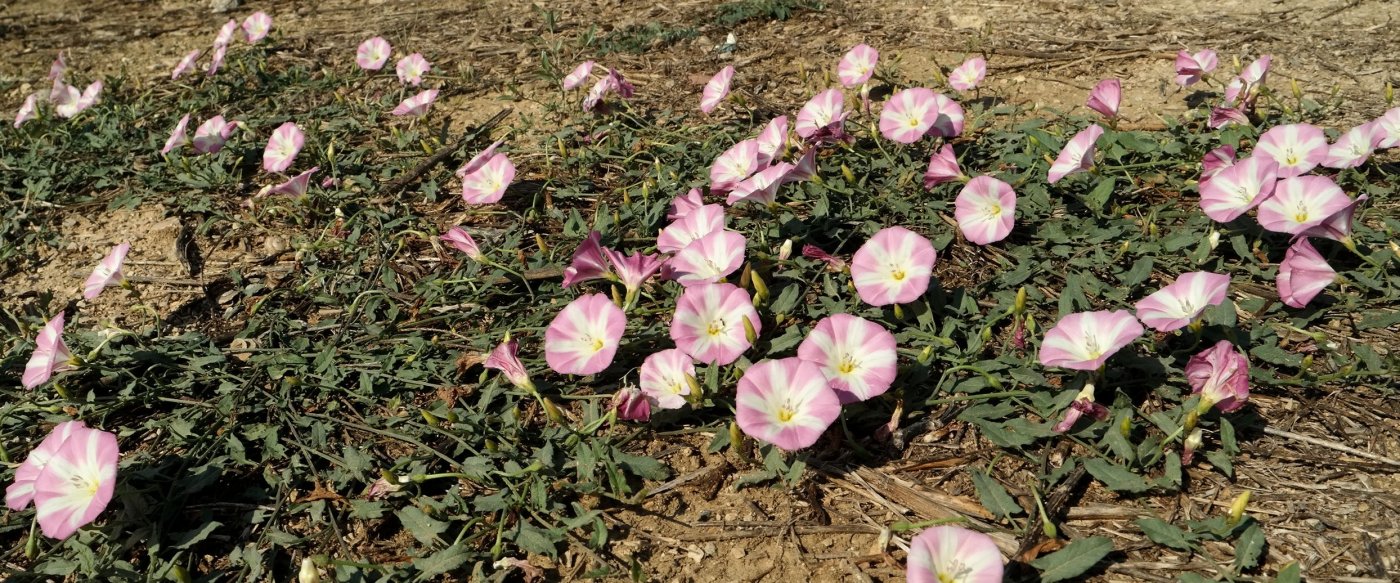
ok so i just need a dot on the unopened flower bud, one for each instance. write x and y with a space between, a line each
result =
1125 427
736 437
760 290
430 418
1189 447
551 411
785 251
539 242
1189 422
1297 90
1237 508
1020 306
847 174
926 356
749 332
1389 98
746 275
308 573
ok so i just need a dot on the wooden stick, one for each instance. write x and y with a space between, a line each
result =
1331 445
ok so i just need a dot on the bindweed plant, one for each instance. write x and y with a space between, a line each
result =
475 379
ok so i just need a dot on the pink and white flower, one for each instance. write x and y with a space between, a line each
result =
1217 160
68 102
1389 124
785 402
417 104
1300 203
709 258
583 338
949 121
75 480
1303 274
761 188
709 323
857 65
772 140
1220 375
1223 116
1191 67
479 160
211 135
177 136
107 272
27 111
51 355
412 68
1077 155
226 32
634 270
908 115
1085 340
282 148
504 358
804 169
737 163
944 554
666 378
57 68
631 404
1238 188
968 75
1105 97
1083 404
943 167
216 59
296 186
683 205
1297 148
893 267
1338 226
857 356
578 75
716 89
256 26
185 65
463 241
1256 72
822 116
1180 303
488 184
373 53
698 223
985 210
1353 148
833 263
21 492
588 262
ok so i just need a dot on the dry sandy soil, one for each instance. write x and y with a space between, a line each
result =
1336 513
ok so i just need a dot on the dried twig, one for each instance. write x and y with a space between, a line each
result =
1331 445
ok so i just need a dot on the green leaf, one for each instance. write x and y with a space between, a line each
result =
1098 197
185 540
1291 573
441 562
993 496
1073 560
1222 462
1378 319
1164 533
1139 272
536 540
1249 548
423 527
640 465
1116 477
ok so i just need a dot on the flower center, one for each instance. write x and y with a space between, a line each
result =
897 273
1289 158
597 344
785 414
913 122
847 365
716 327
993 211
